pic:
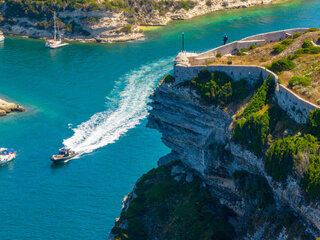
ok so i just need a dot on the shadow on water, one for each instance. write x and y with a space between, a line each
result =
58 165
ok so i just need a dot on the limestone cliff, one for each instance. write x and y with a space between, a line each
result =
200 136
103 21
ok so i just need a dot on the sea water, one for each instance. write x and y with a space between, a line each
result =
93 98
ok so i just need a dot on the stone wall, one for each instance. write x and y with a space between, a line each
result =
231 48
296 107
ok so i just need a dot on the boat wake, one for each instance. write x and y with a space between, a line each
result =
125 109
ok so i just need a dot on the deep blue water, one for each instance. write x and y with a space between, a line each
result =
105 89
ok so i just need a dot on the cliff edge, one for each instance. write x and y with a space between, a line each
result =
235 147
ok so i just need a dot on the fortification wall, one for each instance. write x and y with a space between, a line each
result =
250 73
234 47
296 107
276 36
230 48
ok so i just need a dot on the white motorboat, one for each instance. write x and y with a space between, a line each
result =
64 155
7 155
55 43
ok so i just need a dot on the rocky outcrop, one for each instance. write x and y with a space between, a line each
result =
112 26
200 137
7 107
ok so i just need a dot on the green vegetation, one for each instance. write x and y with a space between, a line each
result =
314 122
311 179
186 4
308 48
242 52
253 46
252 129
127 28
218 88
43 10
168 79
297 155
260 98
254 187
299 80
281 65
218 55
296 35
313 29
180 210
282 46
279 48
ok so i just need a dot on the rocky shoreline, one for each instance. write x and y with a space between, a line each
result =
107 26
8 107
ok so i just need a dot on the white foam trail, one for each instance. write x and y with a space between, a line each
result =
131 106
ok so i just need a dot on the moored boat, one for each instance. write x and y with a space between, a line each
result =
1 36
64 155
55 43
7 155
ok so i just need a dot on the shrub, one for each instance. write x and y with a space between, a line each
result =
307 47
311 179
282 46
279 48
168 79
286 154
296 35
307 43
253 46
252 131
240 90
299 80
229 62
185 4
294 56
287 42
313 29
127 28
213 87
282 65
218 55
261 97
314 122
242 51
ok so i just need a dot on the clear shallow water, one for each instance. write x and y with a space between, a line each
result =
104 89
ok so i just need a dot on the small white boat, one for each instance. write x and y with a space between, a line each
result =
1 36
7 155
55 43
64 155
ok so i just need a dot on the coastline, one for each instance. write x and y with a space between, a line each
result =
106 32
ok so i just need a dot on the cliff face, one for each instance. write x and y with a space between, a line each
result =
200 137
104 21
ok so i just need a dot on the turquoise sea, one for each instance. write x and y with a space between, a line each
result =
93 98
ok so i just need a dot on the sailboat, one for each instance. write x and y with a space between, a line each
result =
1 36
55 43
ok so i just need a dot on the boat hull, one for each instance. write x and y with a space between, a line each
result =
54 46
63 159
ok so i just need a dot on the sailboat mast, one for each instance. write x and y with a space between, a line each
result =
54 25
